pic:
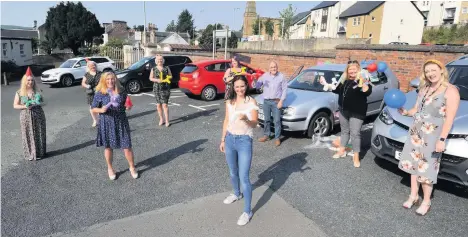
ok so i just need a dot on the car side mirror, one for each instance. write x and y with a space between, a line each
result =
77 66
147 67
414 83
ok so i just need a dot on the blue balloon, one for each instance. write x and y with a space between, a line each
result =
381 67
394 98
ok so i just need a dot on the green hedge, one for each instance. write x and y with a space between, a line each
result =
447 35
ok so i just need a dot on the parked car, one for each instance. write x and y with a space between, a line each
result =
205 78
391 129
136 77
309 108
74 69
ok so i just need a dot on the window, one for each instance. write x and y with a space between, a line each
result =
370 35
323 27
217 67
100 60
356 21
373 18
82 63
465 10
325 12
310 79
21 49
374 78
4 49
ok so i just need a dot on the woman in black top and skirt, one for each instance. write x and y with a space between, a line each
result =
161 88
90 81
352 93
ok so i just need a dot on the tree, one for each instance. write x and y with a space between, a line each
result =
34 44
139 28
45 46
206 39
70 25
256 26
171 27
232 41
115 42
287 14
269 28
185 23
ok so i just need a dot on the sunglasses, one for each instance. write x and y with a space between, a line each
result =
352 61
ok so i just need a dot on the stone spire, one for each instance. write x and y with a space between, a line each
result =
250 15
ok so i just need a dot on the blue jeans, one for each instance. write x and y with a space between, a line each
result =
270 107
238 149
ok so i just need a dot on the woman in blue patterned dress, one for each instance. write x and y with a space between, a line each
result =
433 114
113 129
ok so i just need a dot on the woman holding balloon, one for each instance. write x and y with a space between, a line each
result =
161 76
113 127
433 114
235 69
352 93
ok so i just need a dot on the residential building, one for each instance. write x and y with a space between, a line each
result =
444 12
301 25
384 21
16 44
325 19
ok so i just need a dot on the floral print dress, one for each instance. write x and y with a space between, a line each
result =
417 156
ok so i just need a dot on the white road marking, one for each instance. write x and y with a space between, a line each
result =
148 94
203 106
170 104
177 96
135 94
193 106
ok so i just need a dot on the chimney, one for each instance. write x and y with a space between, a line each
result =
35 24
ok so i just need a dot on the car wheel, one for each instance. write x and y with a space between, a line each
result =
67 80
319 125
209 93
133 87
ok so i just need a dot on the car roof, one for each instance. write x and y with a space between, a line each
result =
80 58
211 61
461 61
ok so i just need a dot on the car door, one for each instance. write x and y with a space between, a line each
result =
380 85
215 73
175 64
79 69
144 73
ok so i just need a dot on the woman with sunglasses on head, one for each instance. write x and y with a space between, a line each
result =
29 100
433 114
352 93
236 142
90 81
235 69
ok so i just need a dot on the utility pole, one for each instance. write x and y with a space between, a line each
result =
226 42
282 30
144 27
214 40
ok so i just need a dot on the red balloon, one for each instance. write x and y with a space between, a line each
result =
372 67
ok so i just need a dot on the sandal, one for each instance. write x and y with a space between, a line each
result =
411 201
133 173
112 175
339 155
419 212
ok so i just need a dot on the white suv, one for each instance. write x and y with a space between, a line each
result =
74 69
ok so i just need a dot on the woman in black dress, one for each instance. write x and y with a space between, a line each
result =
90 81
161 76
113 128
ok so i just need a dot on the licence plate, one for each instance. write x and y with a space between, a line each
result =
261 116
397 155
184 79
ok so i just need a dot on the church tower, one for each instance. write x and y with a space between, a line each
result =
250 15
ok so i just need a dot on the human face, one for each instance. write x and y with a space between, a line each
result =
91 66
352 71
240 87
234 63
29 82
110 81
433 73
273 68
159 60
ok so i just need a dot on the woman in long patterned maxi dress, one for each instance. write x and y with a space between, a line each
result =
433 113
29 99
113 128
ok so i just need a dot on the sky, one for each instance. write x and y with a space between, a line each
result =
157 12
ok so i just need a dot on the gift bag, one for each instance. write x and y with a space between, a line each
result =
128 103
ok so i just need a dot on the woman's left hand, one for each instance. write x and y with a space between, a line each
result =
440 146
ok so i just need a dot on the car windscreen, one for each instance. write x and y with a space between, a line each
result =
68 64
139 63
459 78
310 79
189 68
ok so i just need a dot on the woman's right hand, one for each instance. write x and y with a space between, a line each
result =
221 147
323 81
403 111
103 109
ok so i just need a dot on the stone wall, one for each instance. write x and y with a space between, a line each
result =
299 45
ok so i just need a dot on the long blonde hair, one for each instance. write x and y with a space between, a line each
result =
345 77
102 86
23 91
423 81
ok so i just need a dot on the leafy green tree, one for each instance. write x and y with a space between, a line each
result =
70 25
139 28
256 26
115 43
269 27
185 22
45 46
287 14
232 41
206 39
171 27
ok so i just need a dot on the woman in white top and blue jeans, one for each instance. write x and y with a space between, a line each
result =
236 142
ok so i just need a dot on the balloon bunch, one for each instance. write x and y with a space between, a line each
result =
113 99
35 101
380 67
243 71
166 79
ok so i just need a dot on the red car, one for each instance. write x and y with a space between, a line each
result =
205 78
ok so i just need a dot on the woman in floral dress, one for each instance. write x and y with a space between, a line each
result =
113 127
161 88
90 81
433 114
29 100
235 69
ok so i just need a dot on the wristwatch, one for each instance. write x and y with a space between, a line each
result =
442 139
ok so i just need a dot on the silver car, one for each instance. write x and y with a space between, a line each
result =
391 129
309 108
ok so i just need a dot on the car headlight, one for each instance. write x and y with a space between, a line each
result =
121 75
386 117
289 111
